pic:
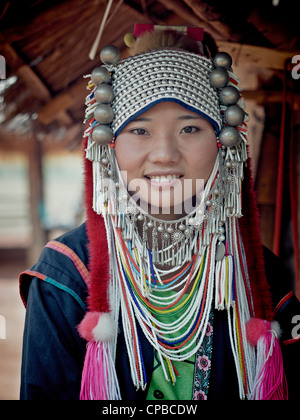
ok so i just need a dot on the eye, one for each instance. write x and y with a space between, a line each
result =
139 131
190 129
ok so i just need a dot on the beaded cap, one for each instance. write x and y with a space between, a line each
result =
141 81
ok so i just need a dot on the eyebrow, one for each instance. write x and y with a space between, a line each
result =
139 119
190 117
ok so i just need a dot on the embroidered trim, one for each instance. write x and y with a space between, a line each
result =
203 364
68 252
283 302
290 341
56 284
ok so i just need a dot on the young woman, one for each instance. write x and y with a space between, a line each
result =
167 280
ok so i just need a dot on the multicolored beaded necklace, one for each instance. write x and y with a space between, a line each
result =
212 275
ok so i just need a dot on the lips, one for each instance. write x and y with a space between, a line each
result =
161 180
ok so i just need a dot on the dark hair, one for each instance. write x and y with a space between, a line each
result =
156 40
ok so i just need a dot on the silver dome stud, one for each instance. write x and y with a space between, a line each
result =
100 75
104 94
234 115
229 95
219 78
229 136
102 134
103 114
222 59
110 54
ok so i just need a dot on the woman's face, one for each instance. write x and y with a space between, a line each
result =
166 155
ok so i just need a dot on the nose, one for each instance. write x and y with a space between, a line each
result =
164 149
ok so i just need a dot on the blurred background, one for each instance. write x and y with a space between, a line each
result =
44 51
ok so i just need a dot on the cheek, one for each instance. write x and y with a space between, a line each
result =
204 158
124 154
129 157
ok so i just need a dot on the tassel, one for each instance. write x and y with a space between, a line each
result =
270 381
99 379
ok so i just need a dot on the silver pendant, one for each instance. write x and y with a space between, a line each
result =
220 251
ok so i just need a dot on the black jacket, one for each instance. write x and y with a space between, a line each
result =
55 292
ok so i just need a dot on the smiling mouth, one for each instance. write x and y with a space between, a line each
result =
163 178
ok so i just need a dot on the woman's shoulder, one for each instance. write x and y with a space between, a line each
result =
63 262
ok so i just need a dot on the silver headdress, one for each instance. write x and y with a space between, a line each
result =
122 90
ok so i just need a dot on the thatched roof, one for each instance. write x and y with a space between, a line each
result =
46 45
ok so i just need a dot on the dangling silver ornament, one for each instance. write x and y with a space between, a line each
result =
100 75
234 115
229 95
104 94
103 114
219 78
110 54
222 59
102 134
220 251
229 136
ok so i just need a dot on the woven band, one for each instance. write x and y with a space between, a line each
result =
142 81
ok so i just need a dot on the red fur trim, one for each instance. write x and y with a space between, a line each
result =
250 230
98 248
256 328
86 326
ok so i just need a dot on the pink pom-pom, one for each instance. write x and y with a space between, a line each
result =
256 328
86 326
97 326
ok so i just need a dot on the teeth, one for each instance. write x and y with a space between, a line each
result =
163 178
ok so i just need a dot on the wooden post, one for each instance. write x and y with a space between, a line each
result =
39 234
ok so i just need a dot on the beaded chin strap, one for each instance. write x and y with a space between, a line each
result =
206 243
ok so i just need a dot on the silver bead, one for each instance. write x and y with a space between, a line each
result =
110 54
103 114
102 134
234 115
150 224
166 236
104 94
229 136
187 230
170 229
222 59
100 75
160 229
140 217
181 227
219 78
229 95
